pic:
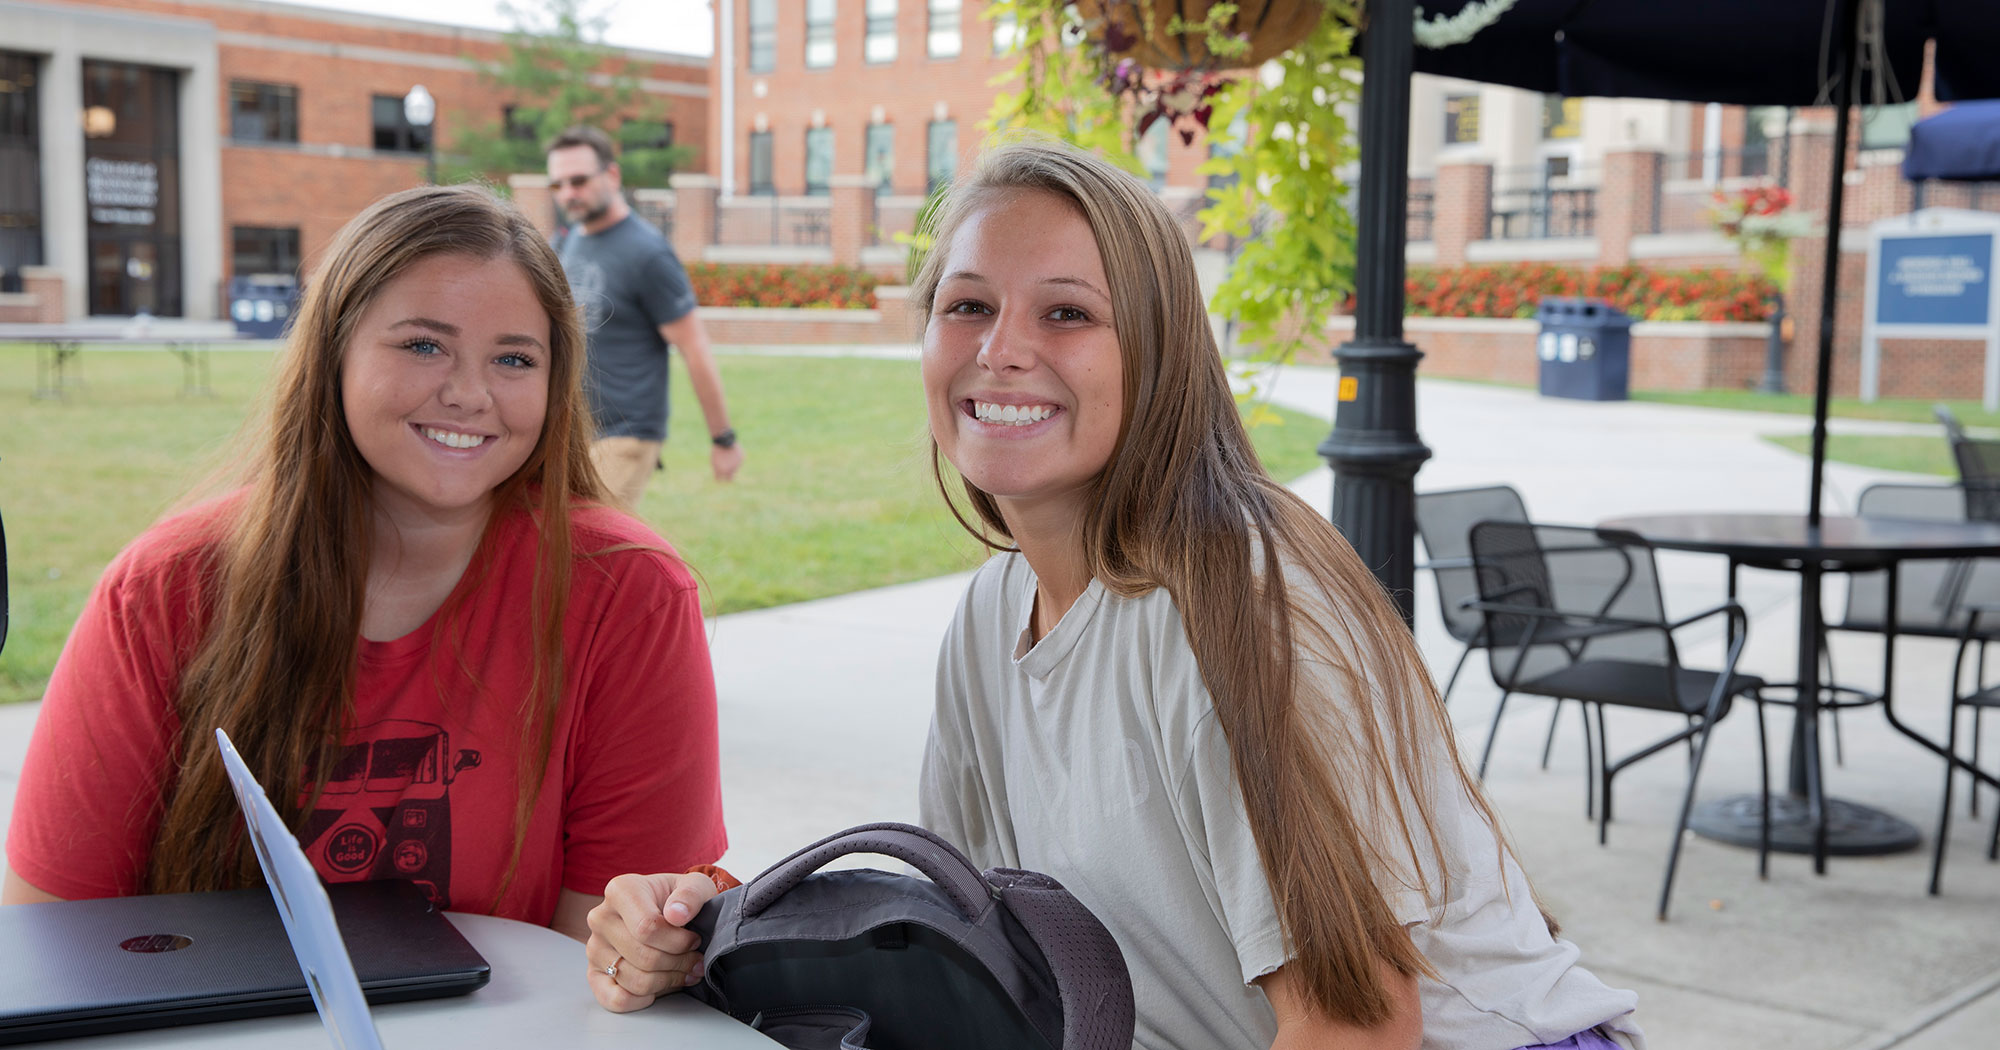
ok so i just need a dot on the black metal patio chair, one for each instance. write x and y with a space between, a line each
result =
1982 624
1930 594
1444 521
1582 618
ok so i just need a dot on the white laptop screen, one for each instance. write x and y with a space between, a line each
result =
308 915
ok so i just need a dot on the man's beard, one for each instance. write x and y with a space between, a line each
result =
591 215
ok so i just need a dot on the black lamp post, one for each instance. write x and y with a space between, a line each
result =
1374 449
419 110
1773 381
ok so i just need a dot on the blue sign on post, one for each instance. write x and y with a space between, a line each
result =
1943 280
1930 276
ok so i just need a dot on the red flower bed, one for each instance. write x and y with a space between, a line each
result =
1514 290
785 287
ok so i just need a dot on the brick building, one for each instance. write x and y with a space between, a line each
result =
223 137
830 119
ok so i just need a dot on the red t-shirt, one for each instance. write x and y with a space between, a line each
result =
427 787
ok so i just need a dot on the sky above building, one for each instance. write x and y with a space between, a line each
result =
685 26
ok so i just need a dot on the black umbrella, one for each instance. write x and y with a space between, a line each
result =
1741 52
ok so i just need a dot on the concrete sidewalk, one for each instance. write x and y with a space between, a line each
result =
825 706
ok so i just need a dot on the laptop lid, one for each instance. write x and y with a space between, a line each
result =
88 967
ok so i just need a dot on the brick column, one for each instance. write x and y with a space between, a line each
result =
1462 203
1811 148
1883 192
1627 202
694 214
851 207
45 283
532 196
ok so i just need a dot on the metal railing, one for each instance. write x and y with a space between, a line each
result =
891 211
1530 204
656 209
1972 196
771 219
1422 211
1683 194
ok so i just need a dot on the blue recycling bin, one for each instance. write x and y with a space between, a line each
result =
262 304
1585 348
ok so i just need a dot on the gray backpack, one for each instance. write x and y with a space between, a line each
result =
869 960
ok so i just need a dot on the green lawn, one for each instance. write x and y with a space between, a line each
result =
835 495
1906 410
1918 455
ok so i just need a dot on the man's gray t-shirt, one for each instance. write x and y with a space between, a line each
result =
627 282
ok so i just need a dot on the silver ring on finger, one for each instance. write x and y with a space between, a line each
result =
611 971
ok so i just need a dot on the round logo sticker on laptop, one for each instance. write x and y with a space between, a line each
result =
155 942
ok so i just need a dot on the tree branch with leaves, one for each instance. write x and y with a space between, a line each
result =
559 71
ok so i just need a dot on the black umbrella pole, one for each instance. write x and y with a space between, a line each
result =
1829 288
1374 449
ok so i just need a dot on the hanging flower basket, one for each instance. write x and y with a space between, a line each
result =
1145 31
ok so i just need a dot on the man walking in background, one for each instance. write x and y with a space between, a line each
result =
636 302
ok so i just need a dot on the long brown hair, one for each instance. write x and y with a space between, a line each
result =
283 578
1265 586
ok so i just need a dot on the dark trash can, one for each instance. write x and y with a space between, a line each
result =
1585 348
262 304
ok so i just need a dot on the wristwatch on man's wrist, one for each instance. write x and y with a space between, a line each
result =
726 439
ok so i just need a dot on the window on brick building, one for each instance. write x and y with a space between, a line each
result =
1562 118
1757 151
1153 154
880 43
20 167
879 165
1227 147
1005 31
819 159
760 163
393 134
940 154
1887 127
763 35
1461 119
517 124
265 249
819 33
944 39
263 112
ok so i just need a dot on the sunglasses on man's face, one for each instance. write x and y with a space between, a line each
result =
575 182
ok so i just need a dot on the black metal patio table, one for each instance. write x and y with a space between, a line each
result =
1804 820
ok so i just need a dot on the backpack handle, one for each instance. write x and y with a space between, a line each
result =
939 860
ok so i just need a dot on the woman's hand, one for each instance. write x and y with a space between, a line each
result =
639 948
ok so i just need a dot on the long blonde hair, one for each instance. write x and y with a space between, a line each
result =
1265 586
283 575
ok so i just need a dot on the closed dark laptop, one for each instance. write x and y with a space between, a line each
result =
88 967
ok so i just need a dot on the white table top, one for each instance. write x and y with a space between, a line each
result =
538 998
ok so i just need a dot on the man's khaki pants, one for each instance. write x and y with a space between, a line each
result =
625 463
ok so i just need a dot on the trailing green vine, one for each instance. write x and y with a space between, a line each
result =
1055 82
1290 142
1277 136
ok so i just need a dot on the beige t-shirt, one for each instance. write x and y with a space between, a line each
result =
1095 757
